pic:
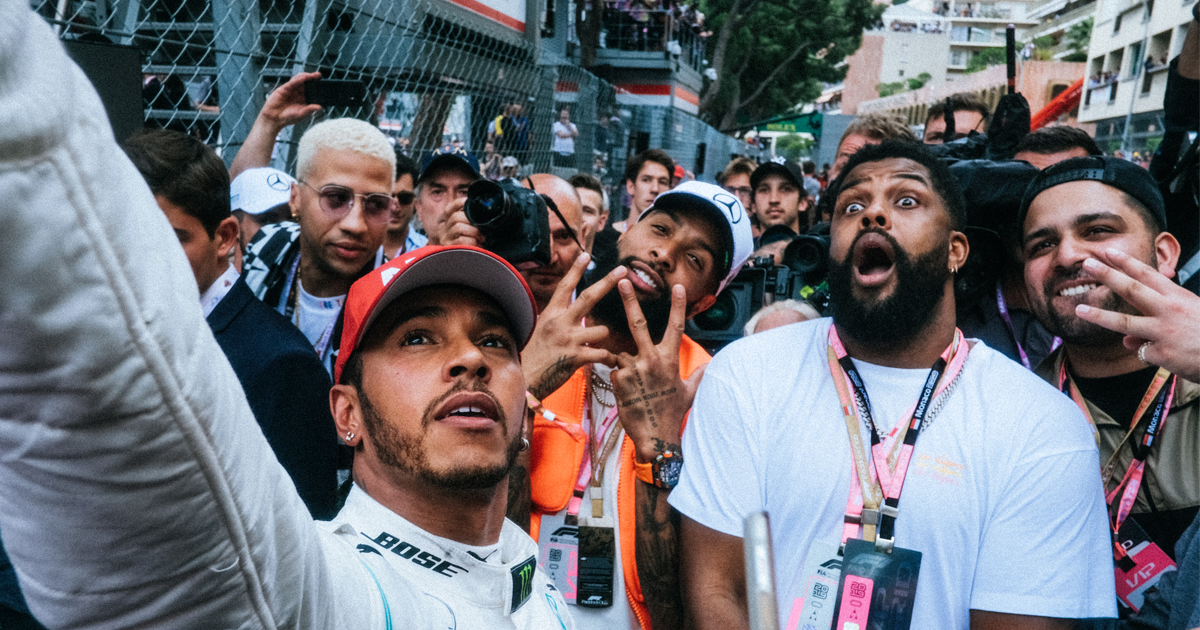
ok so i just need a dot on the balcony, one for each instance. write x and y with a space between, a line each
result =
651 35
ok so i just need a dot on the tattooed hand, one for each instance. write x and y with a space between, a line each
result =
559 344
651 396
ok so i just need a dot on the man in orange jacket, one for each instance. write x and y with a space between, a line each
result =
614 394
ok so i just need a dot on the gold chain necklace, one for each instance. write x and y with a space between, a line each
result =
599 385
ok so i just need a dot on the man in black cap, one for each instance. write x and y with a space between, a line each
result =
1081 218
779 196
441 192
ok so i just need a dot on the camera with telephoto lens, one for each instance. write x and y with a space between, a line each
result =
514 221
802 276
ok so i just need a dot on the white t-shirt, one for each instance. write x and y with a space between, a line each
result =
1002 496
316 317
619 615
564 145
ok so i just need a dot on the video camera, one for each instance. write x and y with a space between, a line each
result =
514 221
762 282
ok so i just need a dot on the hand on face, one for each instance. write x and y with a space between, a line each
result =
652 398
560 342
1169 314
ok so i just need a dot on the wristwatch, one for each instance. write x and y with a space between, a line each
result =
663 471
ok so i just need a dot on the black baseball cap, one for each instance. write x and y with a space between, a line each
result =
448 157
779 166
1123 175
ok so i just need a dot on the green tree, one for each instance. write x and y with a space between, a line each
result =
1078 38
793 146
888 89
985 58
919 81
769 55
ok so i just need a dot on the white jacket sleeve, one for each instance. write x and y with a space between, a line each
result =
137 492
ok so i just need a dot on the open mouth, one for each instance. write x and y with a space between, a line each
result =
1077 291
470 410
644 278
874 259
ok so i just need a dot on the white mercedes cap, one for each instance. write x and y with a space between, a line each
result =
718 204
259 189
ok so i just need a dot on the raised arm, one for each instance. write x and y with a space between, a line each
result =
285 106
138 490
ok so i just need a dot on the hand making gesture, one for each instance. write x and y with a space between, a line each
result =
1170 314
561 343
651 396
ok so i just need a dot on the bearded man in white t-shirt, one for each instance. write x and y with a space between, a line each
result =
989 474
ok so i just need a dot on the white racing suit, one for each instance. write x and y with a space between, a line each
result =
136 489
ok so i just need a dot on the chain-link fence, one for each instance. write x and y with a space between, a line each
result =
434 72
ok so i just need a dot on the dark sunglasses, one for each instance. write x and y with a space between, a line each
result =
337 201
404 198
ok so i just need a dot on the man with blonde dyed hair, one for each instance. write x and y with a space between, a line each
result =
340 204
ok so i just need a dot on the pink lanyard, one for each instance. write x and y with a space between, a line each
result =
874 499
1131 483
1002 305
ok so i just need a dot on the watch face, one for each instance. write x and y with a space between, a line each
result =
669 470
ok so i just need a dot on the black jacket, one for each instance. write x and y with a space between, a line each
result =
288 391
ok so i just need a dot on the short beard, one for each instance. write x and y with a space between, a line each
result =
894 322
1072 329
610 309
407 453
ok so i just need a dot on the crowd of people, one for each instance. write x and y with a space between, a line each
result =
240 397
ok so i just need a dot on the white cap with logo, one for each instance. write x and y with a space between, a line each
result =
259 189
718 204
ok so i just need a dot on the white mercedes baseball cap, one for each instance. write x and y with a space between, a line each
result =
259 189
724 208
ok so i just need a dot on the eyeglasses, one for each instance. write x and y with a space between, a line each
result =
404 198
740 190
337 201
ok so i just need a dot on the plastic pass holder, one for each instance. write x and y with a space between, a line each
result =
1140 568
878 588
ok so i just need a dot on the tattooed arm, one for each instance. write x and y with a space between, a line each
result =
658 554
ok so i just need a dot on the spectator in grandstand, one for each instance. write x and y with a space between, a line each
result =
778 314
1051 145
284 107
509 167
595 207
402 236
341 204
1098 266
736 179
492 162
970 114
565 133
779 195
441 193
894 257
282 377
647 175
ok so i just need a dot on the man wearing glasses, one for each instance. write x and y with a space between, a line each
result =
401 235
341 204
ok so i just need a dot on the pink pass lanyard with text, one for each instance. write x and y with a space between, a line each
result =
585 468
1159 396
875 496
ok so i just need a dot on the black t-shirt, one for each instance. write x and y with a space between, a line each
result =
1118 396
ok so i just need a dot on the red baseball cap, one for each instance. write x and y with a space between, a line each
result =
458 264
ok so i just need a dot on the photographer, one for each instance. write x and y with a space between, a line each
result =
441 191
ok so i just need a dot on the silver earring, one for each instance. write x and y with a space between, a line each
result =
524 444
349 436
